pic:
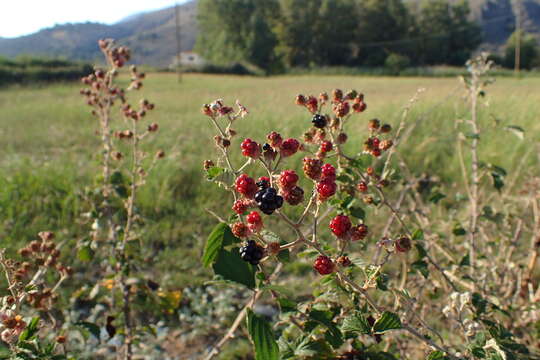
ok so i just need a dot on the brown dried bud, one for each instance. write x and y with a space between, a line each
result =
403 244
386 128
313 168
386 144
208 164
240 230
117 155
25 252
207 110
232 132
337 95
273 248
294 196
46 235
160 154
61 339
374 124
300 100
359 232
368 199
35 246
370 171
343 261
323 97
342 138
351 94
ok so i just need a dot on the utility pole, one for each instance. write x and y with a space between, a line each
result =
517 46
178 40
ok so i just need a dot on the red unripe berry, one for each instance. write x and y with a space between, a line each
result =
324 265
403 244
326 188
359 232
288 179
370 171
341 109
326 146
312 104
328 171
240 206
340 225
362 187
376 152
246 186
375 142
254 218
250 148
289 147
240 230
254 221
359 107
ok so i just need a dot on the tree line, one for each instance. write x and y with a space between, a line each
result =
278 34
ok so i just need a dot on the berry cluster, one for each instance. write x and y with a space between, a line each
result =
374 145
255 222
327 187
292 193
252 252
342 228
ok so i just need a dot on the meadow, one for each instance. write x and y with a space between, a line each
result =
48 156
50 162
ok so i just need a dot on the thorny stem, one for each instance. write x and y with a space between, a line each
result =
474 172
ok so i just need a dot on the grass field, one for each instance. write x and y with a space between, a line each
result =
48 146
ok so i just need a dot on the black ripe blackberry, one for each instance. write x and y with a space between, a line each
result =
268 200
319 121
267 147
252 252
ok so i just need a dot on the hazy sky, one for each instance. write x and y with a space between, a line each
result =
22 17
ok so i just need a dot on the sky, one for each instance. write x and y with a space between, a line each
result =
23 17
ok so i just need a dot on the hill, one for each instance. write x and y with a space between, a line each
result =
151 35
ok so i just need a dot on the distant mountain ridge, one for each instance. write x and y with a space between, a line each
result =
152 37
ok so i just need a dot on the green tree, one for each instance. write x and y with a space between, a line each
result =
238 31
381 23
315 32
529 51
445 33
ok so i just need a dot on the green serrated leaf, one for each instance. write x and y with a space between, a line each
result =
334 337
357 212
356 323
262 337
231 267
220 236
418 234
287 306
91 328
213 172
387 321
